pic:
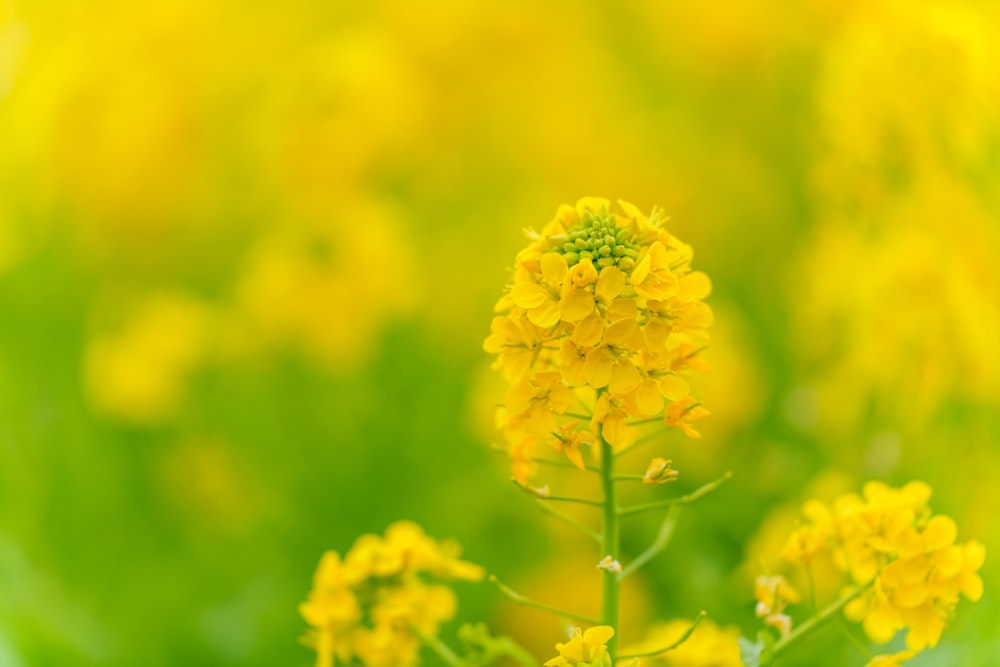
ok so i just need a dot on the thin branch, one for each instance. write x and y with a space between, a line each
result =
564 499
520 599
680 640
641 440
816 621
683 500
442 650
566 464
628 478
658 545
567 519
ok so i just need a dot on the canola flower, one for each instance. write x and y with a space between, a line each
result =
378 603
604 311
587 648
904 563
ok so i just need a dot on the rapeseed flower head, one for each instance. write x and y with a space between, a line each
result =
371 604
603 311
585 649
905 558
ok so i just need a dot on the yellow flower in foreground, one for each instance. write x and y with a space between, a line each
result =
366 605
888 541
603 315
585 649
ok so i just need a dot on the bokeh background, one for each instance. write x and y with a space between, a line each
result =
249 253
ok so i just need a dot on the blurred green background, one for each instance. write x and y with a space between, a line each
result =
249 252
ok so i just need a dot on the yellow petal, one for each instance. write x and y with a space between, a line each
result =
529 295
622 309
597 367
648 398
641 270
971 586
674 388
610 283
576 304
554 268
940 532
624 377
598 635
545 315
880 626
695 285
588 332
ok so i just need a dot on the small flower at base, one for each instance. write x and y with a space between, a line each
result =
660 472
608 564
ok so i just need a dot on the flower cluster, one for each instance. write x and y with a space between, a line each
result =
603 311
374 604
773 594
904 559
585 649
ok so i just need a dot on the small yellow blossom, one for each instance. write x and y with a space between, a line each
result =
603 314
609 564
366 605
773 594
660 472
893 660
585 649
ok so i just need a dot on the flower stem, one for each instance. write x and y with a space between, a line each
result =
680 640
442 650
568 520
683 500
658 545
609 545
528 602
816 621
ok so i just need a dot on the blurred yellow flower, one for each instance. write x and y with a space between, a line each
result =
585 649
140 371
371 604
905 558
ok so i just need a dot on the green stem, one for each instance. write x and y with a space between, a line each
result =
609 545
816 621
683 500
658 545
528 602
442 650
680 640
567 519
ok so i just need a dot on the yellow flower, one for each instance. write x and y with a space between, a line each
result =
888 541
603 311
773 594
659 472
568 442
585 649
365 606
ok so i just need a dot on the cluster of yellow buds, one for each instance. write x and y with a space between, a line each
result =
603 311
903 557
373 605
